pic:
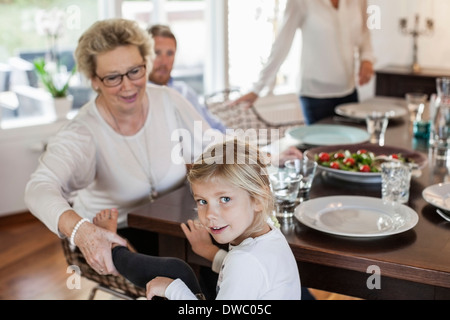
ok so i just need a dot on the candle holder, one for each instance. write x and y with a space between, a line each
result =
416 32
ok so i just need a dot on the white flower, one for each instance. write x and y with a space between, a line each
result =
50 22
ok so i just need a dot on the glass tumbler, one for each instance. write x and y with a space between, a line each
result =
395 182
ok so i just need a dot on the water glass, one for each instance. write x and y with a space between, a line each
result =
416 105
395 182
306 168
441 121
285 190
377 124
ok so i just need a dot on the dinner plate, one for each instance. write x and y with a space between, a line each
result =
354 216
438 195
361 110
364 177
327 135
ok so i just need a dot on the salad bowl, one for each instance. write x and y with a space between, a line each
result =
360 162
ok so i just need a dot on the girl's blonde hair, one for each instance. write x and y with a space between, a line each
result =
107 35
244 167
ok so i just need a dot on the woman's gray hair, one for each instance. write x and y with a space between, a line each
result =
107 35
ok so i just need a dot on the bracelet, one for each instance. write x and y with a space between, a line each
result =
74 232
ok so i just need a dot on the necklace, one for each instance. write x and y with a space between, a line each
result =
153 193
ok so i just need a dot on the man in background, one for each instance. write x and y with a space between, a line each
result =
165 50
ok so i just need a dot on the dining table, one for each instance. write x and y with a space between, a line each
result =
414 264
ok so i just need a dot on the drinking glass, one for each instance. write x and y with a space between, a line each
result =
395 182
416 105
441 122
377 124
285 190
306 168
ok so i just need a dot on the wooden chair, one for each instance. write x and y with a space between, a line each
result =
256 116
115 285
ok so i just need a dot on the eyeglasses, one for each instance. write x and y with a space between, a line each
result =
116 79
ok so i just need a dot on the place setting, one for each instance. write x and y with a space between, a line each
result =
364 216
355 157
325 134
359 111
347 216
438 195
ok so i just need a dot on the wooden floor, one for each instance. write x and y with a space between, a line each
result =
33 267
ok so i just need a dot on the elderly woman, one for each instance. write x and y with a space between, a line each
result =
120 150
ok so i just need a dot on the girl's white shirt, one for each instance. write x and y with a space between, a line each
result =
261 268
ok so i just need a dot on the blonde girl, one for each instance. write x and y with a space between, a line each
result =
231 187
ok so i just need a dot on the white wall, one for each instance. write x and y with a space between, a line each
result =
391 47
20 149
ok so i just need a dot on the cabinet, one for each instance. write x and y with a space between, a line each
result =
20 149
396 81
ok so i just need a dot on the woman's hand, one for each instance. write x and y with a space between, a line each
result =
365 72
200 240
247 100
157 287
94 242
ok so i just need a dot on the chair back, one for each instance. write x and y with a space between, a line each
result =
116 285
283 111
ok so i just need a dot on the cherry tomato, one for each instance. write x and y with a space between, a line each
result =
335 165
349 161
364 168
339 155
362 151
394 156
324 157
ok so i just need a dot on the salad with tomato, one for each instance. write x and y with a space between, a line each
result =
360 161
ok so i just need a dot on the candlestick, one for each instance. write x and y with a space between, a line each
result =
416 32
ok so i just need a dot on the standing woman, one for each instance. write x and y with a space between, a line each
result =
119 150
335 40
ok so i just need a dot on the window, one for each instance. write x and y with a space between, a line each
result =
24 38
253 26
187 21
19 30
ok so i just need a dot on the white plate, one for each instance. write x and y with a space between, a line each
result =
438 195
360 217
365 177
327 135
361 110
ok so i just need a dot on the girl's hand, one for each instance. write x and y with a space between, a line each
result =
200 240
157 287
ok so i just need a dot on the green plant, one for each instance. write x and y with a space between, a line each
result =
55 80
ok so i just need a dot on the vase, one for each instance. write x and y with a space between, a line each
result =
62 107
